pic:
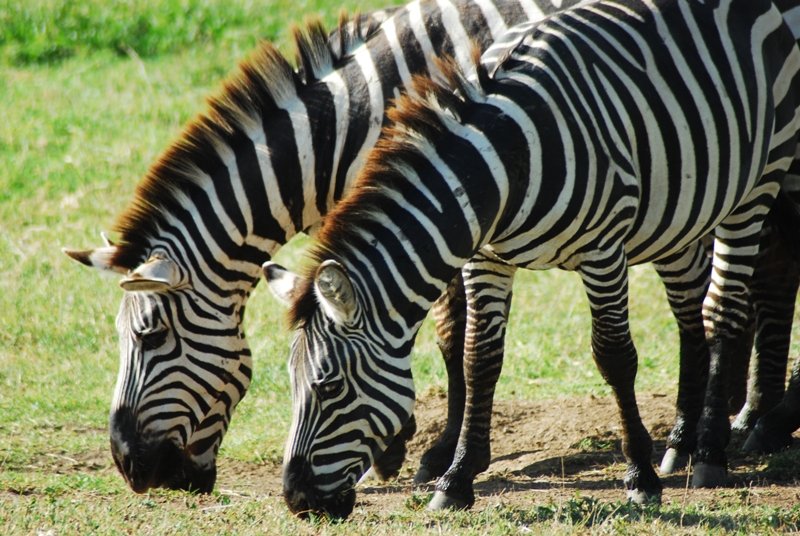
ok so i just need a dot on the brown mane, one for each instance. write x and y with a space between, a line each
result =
414 116
262 81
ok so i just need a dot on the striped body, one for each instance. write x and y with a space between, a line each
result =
610 135
273 154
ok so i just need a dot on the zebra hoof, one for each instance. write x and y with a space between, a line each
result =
673 462
642 497
759 442
754 444
441 501
709 476
423 476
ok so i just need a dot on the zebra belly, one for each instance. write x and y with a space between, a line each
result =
653 240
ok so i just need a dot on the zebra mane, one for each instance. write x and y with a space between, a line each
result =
419 116
261 84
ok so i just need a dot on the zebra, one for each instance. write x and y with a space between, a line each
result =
774 285
608 135
273 153
773 430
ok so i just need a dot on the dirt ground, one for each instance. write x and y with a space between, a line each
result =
542 452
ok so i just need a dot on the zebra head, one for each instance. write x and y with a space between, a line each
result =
350 393
184 365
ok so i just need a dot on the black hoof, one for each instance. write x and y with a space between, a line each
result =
643 497
709 476
762 442
673 462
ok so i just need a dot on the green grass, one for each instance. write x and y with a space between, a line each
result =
91 92
48 31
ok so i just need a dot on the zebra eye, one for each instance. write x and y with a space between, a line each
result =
330 389
152 340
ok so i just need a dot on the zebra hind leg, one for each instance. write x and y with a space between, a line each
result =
774 430
725 313
685 275
773 291
488 290
450 315
606 282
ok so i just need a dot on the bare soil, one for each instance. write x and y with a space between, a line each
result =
542 452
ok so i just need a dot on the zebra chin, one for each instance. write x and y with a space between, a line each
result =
156 462
303 499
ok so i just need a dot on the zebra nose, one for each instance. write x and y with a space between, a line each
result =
298 490
303 499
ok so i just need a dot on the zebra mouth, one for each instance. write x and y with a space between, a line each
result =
304 500
163 465
149 461
339 506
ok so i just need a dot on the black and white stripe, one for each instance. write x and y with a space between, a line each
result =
609 135
273 154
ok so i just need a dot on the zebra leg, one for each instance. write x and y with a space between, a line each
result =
606 282
725 311
488 286
450 315
740 365
773 431
773 291
686 275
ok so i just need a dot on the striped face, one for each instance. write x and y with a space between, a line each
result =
351 393
183 369
184 365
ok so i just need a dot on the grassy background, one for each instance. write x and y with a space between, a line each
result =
90 93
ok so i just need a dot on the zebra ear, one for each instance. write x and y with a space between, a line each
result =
99 258
283 283
335 292
158 274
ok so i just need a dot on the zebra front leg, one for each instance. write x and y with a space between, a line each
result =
488 291
450 315
685 276
606 283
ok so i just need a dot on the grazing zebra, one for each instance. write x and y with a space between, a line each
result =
273 154
609 135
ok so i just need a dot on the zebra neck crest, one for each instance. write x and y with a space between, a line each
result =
263 84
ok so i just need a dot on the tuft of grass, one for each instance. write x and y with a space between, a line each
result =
595 443
418 501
